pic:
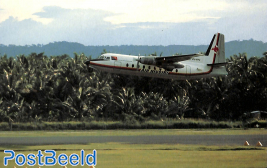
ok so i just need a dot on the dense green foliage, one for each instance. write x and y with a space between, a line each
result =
61 88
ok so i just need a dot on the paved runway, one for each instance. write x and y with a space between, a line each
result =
155 139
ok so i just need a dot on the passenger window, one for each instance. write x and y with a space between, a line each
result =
144 66
132 65
108 58
127 65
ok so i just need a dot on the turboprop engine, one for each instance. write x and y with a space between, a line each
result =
150 60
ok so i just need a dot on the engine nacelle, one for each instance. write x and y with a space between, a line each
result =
149 60
170 67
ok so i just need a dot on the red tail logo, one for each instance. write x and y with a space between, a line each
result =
216 49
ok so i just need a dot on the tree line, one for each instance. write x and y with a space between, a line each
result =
61 88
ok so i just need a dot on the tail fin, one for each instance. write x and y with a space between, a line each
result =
216 50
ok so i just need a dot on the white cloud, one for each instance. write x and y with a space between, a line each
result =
20 32
77 25
140 22
132 11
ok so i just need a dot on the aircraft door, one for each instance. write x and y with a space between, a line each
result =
117 65
188 69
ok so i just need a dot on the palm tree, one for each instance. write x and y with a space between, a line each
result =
155 104
179 105
127 106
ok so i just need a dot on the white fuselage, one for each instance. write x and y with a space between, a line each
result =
183 67
127 64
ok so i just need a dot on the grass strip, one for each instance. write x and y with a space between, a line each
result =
114 155
126 132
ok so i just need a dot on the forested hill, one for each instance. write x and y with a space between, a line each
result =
251 47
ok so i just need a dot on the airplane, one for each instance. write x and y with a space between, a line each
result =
182 67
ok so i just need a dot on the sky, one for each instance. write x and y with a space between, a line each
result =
131 22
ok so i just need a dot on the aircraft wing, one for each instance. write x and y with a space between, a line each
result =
177 58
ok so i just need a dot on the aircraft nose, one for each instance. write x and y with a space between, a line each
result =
87 62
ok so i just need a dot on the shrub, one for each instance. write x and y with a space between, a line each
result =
130 124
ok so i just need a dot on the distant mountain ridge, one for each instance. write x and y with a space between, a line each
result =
251 47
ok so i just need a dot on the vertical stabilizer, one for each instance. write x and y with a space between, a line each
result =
216 50
221 53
